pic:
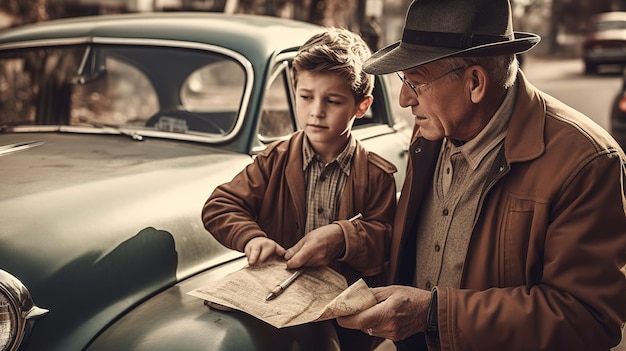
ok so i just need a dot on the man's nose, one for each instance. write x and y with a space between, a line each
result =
406 97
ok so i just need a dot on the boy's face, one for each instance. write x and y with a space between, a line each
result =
326 109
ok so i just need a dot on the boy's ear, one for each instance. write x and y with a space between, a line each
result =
363 106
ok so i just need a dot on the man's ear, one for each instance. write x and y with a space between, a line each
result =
363 106
478 83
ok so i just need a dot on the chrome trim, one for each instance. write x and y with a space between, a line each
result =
247 65
371 131
45 42
23 304
6 149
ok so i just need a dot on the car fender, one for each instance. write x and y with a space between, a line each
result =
174 320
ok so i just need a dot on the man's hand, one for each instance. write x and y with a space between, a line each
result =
260 249
317 248
401 312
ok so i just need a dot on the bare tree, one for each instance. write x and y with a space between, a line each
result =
25 11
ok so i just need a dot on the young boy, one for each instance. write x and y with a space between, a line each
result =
295 200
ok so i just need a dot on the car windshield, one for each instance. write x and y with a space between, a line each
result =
162 89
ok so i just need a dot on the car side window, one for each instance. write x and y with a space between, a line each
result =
216 87
277 118
375 114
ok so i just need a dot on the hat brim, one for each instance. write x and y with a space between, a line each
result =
402 56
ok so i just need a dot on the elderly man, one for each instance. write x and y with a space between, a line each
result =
511 227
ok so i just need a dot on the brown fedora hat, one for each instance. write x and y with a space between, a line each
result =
436 29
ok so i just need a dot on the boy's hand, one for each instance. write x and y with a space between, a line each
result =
260 249
317 248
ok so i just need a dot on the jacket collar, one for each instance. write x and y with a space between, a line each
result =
344 158
525 135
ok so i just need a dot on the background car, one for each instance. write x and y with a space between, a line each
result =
114 130
618 114
605 40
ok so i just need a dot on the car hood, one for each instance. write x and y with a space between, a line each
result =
94 224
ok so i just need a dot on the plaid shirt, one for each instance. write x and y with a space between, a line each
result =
325 183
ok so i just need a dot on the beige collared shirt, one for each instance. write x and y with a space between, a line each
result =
451 209
325 183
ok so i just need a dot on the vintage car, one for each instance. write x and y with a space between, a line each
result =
114 130
605 40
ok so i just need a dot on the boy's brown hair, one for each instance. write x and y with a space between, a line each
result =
338 51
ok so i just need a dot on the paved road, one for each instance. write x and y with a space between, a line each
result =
564 79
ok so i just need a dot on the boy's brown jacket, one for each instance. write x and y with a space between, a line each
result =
268 199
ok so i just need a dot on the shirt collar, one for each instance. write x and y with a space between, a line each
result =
494 132
344 158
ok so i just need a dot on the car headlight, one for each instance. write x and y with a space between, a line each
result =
17 311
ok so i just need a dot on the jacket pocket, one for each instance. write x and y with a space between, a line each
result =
522 244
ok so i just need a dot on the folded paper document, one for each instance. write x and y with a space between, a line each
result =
316 295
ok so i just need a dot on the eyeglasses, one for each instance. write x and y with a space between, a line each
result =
416 87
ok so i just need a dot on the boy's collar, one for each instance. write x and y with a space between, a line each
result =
344 159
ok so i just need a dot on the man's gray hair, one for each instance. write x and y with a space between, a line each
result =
502 68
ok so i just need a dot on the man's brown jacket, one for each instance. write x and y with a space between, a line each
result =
542 271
